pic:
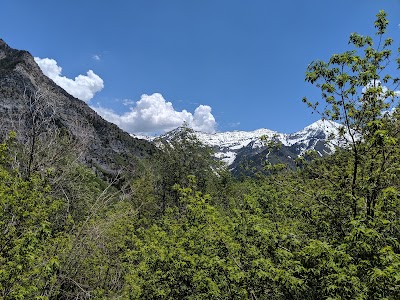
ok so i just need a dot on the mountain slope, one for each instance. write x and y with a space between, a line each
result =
31 101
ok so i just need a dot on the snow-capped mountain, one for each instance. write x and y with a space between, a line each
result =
229 144
250 148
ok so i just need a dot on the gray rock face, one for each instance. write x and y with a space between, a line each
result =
28 98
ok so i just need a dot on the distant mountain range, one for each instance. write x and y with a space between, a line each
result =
247 151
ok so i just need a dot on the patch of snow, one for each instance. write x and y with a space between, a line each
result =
233 138
144 137
227 157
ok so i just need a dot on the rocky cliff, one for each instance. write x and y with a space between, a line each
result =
32 105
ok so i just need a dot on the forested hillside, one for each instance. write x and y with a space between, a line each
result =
176 224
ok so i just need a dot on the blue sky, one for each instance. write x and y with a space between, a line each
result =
218 64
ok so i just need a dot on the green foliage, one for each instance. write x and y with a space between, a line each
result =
27 269
179 158
186 256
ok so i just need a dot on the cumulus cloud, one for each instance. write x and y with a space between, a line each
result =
153 114
203 120
83 87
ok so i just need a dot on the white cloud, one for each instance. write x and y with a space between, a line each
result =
83 87
128 102
153 114
96 57
203 120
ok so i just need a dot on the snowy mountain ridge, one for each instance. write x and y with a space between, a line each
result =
321 136
228 144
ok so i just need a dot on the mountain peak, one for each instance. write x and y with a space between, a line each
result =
4 49
323 124
13 61
3 44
